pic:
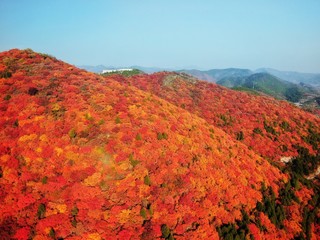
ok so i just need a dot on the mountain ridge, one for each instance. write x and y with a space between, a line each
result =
294 76
228 108
291 76
266 83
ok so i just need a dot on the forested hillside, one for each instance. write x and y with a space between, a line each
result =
159 156
270 127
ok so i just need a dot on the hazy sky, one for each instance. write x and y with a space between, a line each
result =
204 34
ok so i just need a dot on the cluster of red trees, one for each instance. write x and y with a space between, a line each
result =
270 127
88 157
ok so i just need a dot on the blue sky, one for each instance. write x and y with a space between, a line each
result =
204 34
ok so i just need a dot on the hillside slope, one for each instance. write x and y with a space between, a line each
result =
274 129
89 157
85 157
215 75
270 127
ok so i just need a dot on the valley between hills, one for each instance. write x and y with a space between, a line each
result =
150 156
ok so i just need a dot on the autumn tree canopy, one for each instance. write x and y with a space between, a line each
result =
84 156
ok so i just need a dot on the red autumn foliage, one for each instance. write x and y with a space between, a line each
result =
88 157
270 127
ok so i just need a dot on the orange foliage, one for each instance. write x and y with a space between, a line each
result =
88 157
234 111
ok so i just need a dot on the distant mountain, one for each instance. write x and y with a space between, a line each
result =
203 75
295 77
215 75
229 72
283 85
266 83
95 69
